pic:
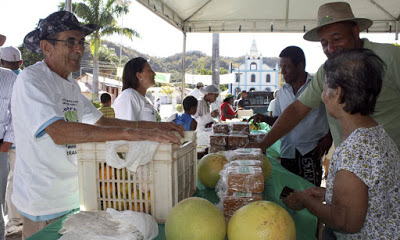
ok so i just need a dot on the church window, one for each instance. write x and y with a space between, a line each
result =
253 66
268 78
253 78
237 77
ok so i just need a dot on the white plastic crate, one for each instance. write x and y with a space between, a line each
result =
155 188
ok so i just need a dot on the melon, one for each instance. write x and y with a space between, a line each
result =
209 167
261 220
267 168
195 219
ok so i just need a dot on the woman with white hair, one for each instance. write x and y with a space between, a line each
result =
203 115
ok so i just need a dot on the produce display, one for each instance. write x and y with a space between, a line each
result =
261 220
195 219
209 167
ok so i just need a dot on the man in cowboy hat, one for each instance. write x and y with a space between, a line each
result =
7 80
338 30
46 179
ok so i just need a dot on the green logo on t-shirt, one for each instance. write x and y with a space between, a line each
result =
71 116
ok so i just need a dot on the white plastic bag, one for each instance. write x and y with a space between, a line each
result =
140 153
109 225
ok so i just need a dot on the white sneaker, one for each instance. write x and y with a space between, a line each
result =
13 230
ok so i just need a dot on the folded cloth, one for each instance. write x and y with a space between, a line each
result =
140 153
109 225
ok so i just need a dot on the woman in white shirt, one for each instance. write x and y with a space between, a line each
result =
132 104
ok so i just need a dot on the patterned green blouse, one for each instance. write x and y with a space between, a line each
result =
373 157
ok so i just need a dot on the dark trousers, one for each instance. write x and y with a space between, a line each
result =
307 166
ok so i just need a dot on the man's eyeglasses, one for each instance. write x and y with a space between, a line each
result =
72 43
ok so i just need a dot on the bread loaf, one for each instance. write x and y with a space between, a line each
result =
245 179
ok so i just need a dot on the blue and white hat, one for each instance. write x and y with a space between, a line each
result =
56 22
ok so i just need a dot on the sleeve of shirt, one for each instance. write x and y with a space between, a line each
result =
127 108
311 97
356 160
35 101
277 111
90 114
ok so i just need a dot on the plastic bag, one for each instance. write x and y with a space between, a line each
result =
140 153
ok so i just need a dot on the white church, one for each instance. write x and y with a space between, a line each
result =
253 75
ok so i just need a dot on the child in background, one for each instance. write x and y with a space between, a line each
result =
106 108
186 119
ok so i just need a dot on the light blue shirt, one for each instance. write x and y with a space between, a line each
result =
306 135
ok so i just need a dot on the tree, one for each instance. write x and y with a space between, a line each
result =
104 14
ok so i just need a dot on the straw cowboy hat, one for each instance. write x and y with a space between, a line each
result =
332 13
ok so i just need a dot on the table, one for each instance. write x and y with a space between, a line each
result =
306 223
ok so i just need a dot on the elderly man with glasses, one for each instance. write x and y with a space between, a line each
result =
50 116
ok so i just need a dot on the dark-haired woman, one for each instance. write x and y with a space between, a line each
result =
227 111
363 185
132 104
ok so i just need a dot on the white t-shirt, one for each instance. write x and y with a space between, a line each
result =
46 174
131 105
271 106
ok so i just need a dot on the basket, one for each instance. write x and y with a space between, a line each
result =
154 189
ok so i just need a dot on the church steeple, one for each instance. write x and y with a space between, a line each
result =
253 50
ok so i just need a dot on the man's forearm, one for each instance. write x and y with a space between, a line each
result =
288 120
63 132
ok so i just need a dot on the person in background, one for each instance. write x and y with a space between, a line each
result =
7 81
185 119
11 58
196 92
240 103
46 175
227 111
271 105
106 108
158 105
362 189
132 104
301 149
204 116
339 30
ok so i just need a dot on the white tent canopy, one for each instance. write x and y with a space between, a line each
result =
265 15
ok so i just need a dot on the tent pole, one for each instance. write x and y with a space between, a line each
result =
183 66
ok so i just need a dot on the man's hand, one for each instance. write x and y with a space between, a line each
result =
215 113
156 135
5 146
323 146
170 126
257 118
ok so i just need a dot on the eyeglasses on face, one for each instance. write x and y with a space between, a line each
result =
72 43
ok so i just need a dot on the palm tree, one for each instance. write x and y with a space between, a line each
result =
104 14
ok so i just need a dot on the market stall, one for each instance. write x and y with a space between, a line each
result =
306 223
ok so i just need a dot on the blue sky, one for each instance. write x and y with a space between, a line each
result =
158 38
